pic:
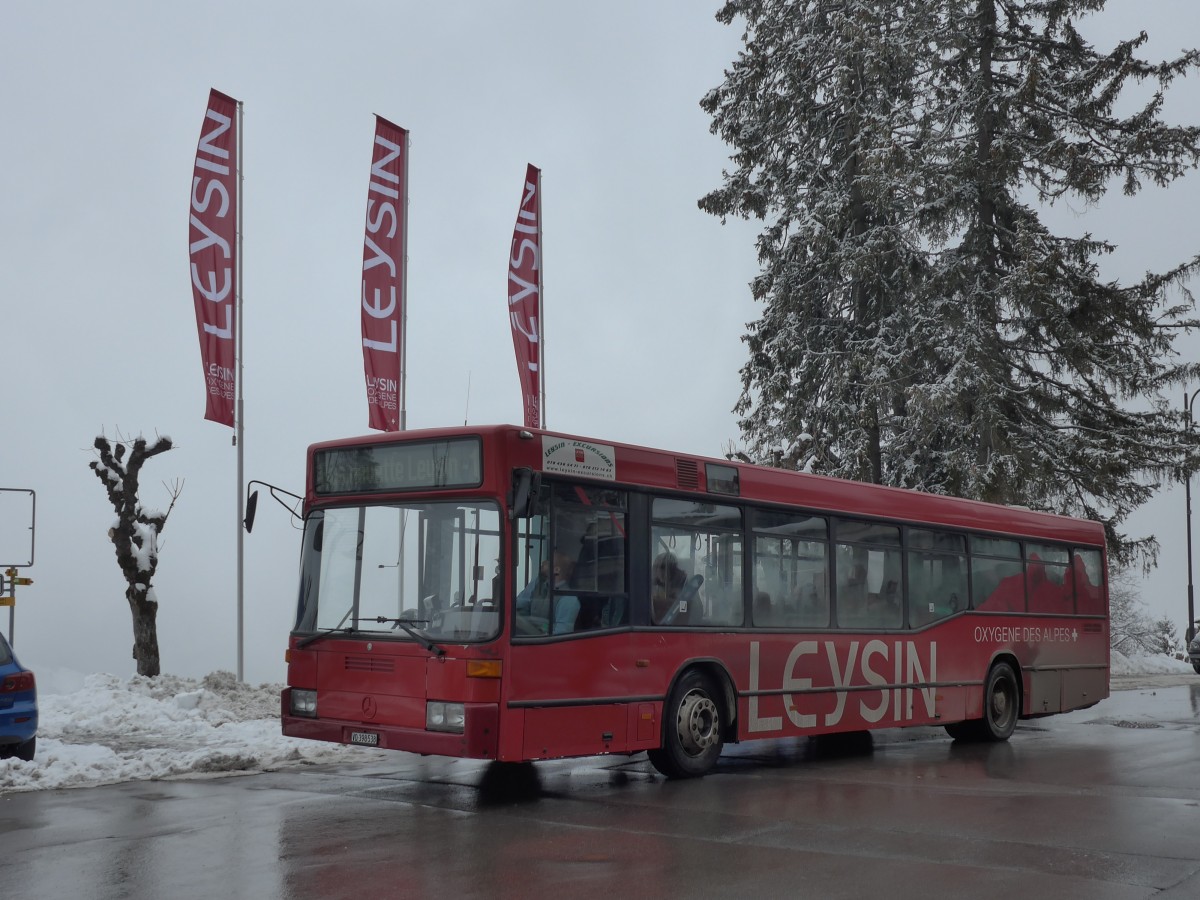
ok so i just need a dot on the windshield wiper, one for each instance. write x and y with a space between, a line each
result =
407 626
312 638
328 631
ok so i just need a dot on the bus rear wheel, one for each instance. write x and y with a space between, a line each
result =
692 729
1001 708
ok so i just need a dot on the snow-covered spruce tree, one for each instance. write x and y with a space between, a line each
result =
821 112
1003 365
135 535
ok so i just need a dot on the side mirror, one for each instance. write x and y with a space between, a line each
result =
526 491
251 508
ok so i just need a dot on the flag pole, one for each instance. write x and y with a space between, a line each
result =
404 289
239 436
541 314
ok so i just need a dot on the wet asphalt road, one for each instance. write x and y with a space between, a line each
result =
1102 803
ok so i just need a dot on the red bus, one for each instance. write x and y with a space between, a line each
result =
508 594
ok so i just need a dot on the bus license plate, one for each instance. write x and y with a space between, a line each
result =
364 737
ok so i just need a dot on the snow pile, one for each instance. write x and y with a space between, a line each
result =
1120 664
101 729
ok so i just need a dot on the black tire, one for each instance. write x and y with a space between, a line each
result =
26 750
693 728
1001 708
962 731
1001 703
1196 666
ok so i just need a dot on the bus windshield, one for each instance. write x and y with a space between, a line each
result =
390 569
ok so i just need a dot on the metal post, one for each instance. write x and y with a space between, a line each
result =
240 435
1191 603
1190 590
541 277
403 313
12 609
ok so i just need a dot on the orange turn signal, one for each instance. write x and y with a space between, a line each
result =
483 668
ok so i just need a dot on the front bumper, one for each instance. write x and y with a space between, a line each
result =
480 738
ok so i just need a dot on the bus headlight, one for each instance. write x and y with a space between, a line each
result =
444 716
304 703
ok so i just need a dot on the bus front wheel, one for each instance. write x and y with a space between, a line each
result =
692 729
1001 708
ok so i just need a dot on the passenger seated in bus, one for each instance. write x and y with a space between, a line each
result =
536 589
666 583
533 603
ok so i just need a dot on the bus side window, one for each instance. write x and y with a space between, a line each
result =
531 565
1088 574
791 567
1050 586
868 592
696 564
599 578
937 576
997 575
583 530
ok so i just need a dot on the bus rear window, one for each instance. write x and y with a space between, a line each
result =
409 466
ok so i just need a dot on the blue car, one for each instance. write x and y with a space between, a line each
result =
18 706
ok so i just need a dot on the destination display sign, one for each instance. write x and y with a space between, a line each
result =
375 468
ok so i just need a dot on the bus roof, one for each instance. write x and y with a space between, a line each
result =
654 468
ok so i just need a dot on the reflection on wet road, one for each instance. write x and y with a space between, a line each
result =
1099 803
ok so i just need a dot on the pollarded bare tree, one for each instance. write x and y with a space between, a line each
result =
135 535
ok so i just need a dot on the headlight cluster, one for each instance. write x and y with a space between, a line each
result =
304 703
444 716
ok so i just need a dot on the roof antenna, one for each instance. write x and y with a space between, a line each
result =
468 406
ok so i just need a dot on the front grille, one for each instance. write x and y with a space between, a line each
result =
369 664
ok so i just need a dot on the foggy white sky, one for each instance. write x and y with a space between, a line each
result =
646 297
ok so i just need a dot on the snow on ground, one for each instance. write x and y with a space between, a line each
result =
101 729
1120 664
